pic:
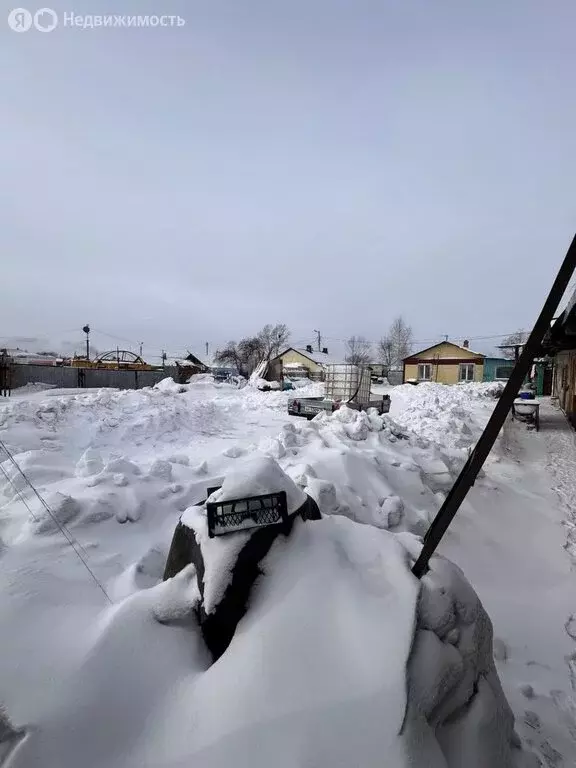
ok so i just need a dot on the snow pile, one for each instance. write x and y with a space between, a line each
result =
119 469
255 476
264 385
450 416
32 387
362 466
167 413
453 683
315 675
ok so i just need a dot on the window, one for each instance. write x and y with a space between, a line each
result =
466 372
424 372
503 372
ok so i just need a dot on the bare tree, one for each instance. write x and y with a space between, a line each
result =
245 355
518 338
386 352
358 351
274 338
252 352
229 355
396 344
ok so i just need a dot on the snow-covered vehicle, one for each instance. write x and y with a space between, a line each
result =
345 385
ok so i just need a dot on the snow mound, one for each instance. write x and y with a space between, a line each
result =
451 416
32 387
170 387
256 475
453 683
316 674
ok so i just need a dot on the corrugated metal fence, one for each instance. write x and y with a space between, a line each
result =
65 377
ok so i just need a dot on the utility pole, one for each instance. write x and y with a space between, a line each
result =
141 345
86 330
319 341
207 350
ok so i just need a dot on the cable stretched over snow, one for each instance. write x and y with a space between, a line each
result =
76 546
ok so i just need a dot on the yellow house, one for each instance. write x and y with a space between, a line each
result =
445 363
304 361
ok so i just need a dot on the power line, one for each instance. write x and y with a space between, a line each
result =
436 339
116 338
76 546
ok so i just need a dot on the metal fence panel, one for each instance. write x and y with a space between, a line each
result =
68 377
44 374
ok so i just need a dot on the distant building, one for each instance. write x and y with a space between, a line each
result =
189 366
497 368
23 357
445 363
304 362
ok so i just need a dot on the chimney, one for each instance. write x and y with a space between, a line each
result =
466 343
309 348
325 350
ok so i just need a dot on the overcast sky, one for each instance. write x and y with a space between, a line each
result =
324 163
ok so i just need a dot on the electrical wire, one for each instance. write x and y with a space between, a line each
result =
436 339
76 546
22 498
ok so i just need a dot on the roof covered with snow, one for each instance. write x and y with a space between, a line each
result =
320 358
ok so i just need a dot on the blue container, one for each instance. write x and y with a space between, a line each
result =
526 395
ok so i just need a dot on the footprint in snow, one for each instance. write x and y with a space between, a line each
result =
532 720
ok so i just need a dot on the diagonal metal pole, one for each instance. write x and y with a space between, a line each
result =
467 476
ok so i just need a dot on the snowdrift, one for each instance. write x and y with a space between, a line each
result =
132 684
339 661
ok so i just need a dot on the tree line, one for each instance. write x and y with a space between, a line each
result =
248 353
393 347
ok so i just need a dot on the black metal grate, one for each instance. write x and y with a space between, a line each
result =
252 512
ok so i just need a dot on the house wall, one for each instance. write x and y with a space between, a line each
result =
445 360
293 356
442 372
565 383
492 363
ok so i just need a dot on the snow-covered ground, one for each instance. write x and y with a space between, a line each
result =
119 468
